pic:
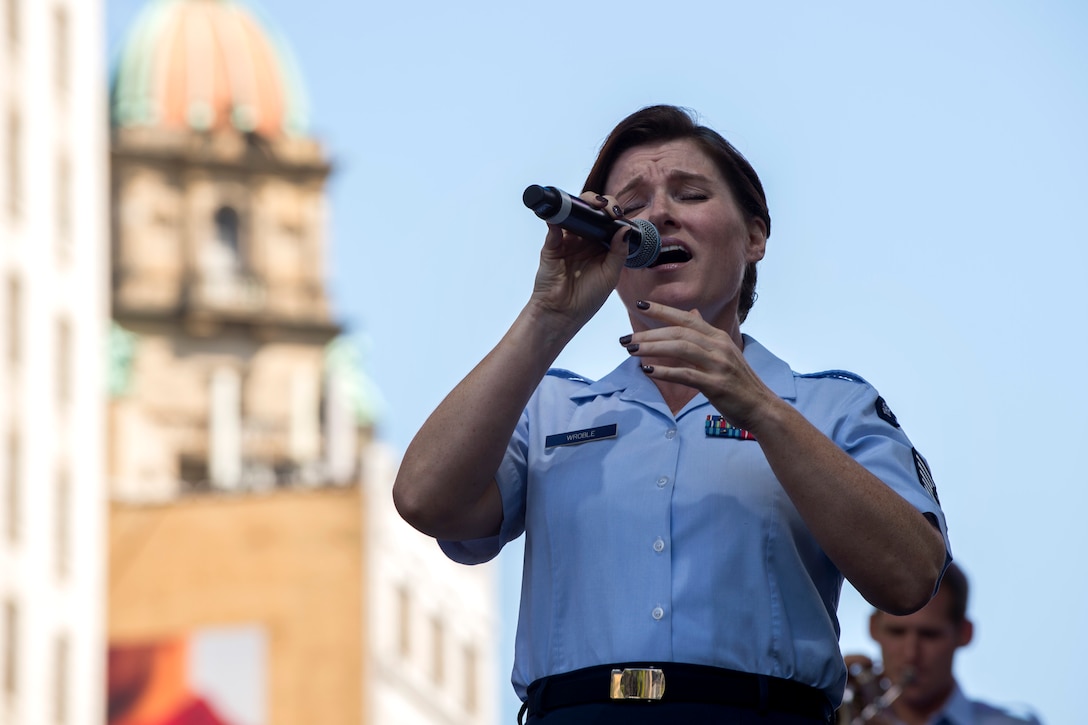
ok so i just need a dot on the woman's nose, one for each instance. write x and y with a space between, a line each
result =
660 212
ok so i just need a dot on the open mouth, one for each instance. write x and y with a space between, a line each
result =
671 254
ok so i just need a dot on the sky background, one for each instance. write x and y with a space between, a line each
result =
926 166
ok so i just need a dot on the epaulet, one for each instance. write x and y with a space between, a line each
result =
568 375
837 374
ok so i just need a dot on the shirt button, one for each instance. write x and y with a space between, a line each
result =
670 433
662 482
659 545
658 613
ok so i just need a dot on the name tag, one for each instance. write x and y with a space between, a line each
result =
575 437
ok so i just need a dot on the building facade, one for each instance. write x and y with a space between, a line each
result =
250 507
53 304
433 627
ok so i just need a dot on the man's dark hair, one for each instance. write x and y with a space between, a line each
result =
955 583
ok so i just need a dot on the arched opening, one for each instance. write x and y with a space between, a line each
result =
227 232
222 254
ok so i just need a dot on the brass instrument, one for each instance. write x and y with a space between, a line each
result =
869 693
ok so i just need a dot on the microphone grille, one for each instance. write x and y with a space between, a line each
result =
649 247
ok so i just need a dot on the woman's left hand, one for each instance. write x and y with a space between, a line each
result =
842 502
688 350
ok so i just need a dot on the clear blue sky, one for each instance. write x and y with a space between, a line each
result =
926 166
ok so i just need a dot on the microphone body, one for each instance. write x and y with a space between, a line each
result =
556 206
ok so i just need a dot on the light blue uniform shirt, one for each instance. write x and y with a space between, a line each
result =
961 711
666 544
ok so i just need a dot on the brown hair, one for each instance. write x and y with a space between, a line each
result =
658 124
955 583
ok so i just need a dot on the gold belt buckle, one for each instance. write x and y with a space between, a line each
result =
637 683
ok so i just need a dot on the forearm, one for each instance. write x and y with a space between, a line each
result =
883 545
446 483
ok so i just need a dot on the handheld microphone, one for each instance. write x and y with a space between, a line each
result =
571 213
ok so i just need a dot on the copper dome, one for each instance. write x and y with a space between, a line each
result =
207 65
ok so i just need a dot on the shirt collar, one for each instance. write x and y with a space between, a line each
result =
957 710
775 373
629 379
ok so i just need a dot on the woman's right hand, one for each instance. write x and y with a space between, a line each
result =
576 275
446 485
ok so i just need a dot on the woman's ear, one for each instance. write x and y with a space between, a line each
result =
757 239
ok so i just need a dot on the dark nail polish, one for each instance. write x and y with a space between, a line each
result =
625 340
602 199
647 369
617 210
632 348
642 305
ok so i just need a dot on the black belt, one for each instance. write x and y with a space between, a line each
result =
676 682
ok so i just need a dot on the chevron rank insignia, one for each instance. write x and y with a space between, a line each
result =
924 476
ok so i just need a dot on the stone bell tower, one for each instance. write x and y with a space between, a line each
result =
237 514
250 507
219 228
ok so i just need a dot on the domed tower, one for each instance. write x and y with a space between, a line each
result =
236 506
219 251
207 66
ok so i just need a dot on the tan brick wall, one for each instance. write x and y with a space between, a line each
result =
289 560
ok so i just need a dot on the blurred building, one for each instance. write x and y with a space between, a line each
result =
53 316
257 571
